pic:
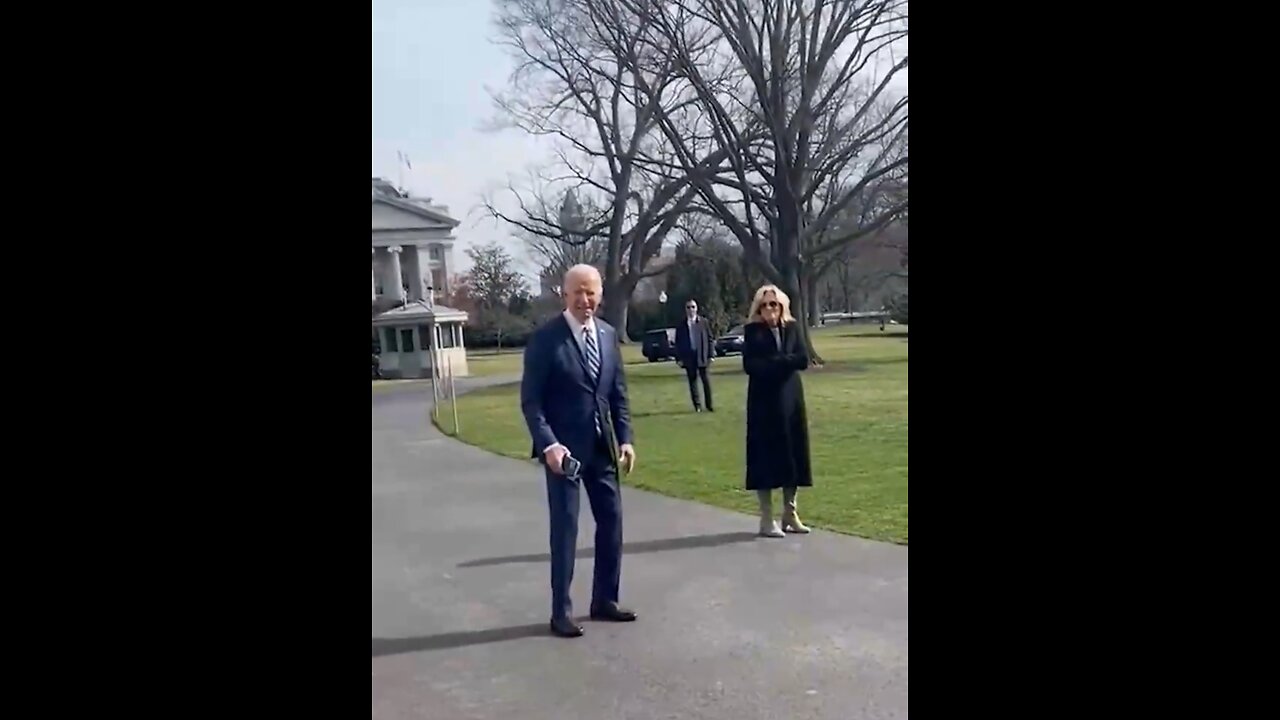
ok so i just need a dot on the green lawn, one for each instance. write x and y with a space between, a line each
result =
857 421
485 363
386 385
481 363
510 362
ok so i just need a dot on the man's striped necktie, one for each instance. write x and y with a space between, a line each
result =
593 367
593 354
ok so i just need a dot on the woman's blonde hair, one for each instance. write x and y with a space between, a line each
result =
760 299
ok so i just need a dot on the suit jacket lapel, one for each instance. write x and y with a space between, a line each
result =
575 350
604 347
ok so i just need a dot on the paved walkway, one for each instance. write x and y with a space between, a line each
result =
731 627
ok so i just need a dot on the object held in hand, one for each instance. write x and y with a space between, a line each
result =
571 467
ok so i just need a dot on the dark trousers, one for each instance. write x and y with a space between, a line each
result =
600 479
693 371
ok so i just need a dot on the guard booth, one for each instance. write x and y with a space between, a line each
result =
417 334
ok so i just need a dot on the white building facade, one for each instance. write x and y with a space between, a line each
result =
412 247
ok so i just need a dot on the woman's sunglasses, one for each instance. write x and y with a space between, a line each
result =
772 304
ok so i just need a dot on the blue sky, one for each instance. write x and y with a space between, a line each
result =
432 61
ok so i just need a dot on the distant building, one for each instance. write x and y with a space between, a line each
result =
412 256
412 246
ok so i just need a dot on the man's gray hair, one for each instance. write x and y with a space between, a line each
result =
580 269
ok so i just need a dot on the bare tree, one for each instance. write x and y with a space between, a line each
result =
862 268
587 78
798 95
571 244
859 263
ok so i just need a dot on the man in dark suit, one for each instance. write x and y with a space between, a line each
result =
574 399
694 351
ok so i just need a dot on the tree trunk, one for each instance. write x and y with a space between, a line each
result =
807 338
617 302
616 315
799 308
811 290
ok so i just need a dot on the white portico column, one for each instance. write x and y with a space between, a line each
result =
444 273
373 274
392 285
417 265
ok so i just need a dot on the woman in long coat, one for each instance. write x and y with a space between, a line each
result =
777 428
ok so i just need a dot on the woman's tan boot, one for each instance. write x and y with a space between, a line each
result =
768 526
791 517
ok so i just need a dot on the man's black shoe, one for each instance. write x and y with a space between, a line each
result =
566 628
611 612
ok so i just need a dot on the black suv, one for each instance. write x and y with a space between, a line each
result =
730 342
659 345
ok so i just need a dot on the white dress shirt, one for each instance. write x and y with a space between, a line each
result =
576 328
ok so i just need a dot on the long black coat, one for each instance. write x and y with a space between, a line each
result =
777 427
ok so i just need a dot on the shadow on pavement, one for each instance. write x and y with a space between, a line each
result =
406 646
647 546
